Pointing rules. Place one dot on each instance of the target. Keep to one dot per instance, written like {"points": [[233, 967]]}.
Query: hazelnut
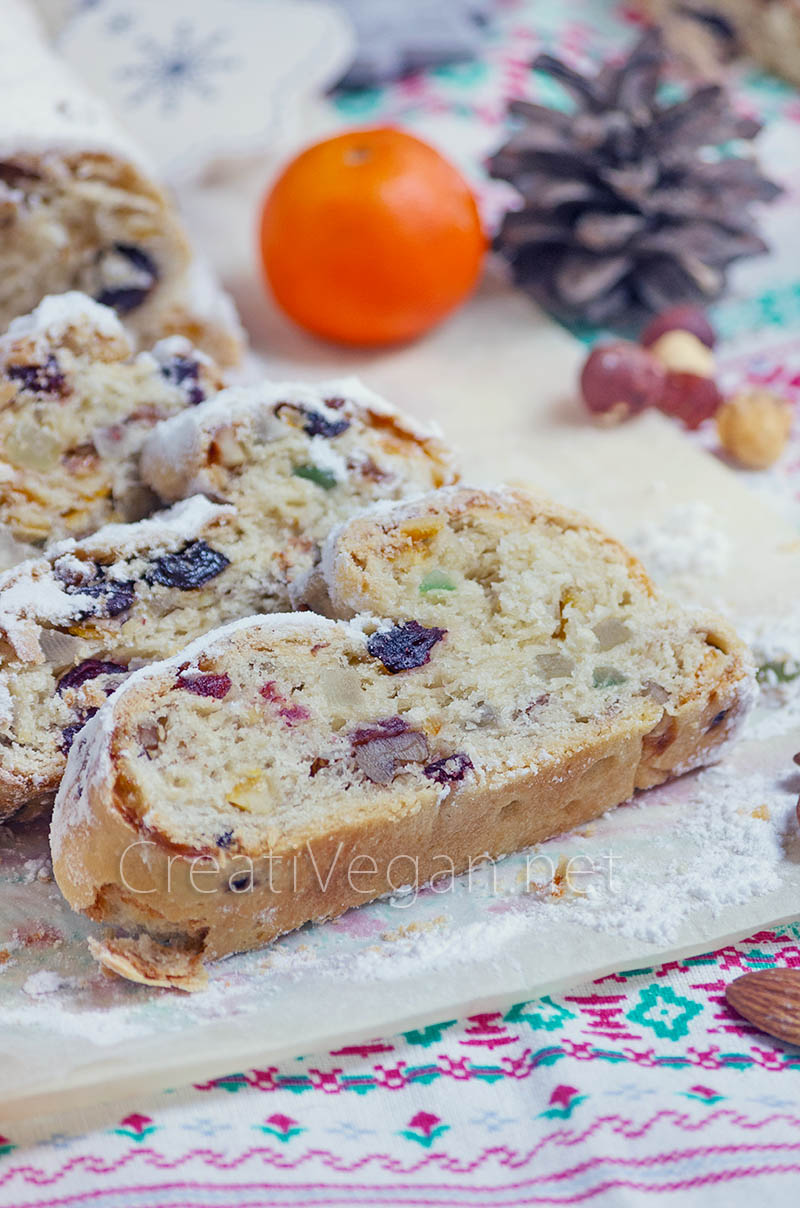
{"points": [[684, 317], [753, 427], [689, 397], [620, 379], [684, 353]]}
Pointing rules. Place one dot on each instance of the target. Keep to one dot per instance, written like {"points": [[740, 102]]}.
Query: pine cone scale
{"points": [[608, 232], [582, 276], [623, 210]]}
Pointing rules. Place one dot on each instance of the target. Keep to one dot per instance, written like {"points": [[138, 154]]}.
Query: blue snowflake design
{"points": [[188, 62]]}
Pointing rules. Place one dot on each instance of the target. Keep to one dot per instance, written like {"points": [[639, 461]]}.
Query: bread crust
{"points": [[184, 897]]}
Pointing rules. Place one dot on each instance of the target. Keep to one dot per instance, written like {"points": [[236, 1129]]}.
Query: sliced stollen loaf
{"points": [[73, 622], [516, 675], [295, 460], [75, 408], [81, 208]]}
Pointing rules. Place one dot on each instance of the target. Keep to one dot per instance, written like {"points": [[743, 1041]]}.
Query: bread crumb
{"points": [[407, 930]]}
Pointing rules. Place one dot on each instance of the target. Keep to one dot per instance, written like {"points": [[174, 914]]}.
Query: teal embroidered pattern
{"points": [[540, 1013], [666, 1012]]}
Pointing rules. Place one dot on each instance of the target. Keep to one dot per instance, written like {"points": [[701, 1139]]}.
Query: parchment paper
{"points": [[499, 378]]}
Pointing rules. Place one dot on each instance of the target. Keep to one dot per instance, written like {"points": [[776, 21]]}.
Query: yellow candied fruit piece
{"points": [[421, 528], [25, 527], [568, 598], [253, 793]]}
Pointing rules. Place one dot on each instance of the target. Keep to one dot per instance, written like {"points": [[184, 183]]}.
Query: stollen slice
{"points": [[507, 673], [76, 405], [77, 620], [295, 460]]}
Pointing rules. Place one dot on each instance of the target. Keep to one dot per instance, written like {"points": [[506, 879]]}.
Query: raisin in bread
{"points": [[511, 674], [295, 460], [133, 593], [75, 408], [81, 208]]}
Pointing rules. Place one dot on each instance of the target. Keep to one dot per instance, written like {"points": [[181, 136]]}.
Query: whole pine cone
{"points": [[629, 206]]}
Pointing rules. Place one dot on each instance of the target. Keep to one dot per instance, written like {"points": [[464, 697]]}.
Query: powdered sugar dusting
{"points": [[775, 643], [173, 456], [685, 542], [692, 862], [30, 594], [56, 314], [181, 522], [46, 981], [728, 848]]}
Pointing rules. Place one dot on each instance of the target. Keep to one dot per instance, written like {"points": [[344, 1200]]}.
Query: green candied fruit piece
{"points": [[323, 478], [778, 672], [607, 677], [436, 580]]}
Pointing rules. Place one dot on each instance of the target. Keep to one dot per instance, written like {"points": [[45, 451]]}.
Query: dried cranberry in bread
{"points": [[75, 408], [133, 593], [511, 674]]}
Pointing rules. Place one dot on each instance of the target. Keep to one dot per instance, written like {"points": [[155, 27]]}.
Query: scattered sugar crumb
{"points": [[37, 870], [409, 930], [46, 981], [775, 643], [732, 853], [684, 543]]}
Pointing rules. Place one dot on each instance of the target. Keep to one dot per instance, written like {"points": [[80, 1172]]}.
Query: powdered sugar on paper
{"points": [[685, 542]]}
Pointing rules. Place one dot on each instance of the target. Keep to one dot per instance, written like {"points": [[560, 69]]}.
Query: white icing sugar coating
{"points": [[31, 593], [182, 521], [45, 107], [6, 701], [175, 346], [325, 457], [239, 400], [180, 440], [684, 542], [56, 314]]}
